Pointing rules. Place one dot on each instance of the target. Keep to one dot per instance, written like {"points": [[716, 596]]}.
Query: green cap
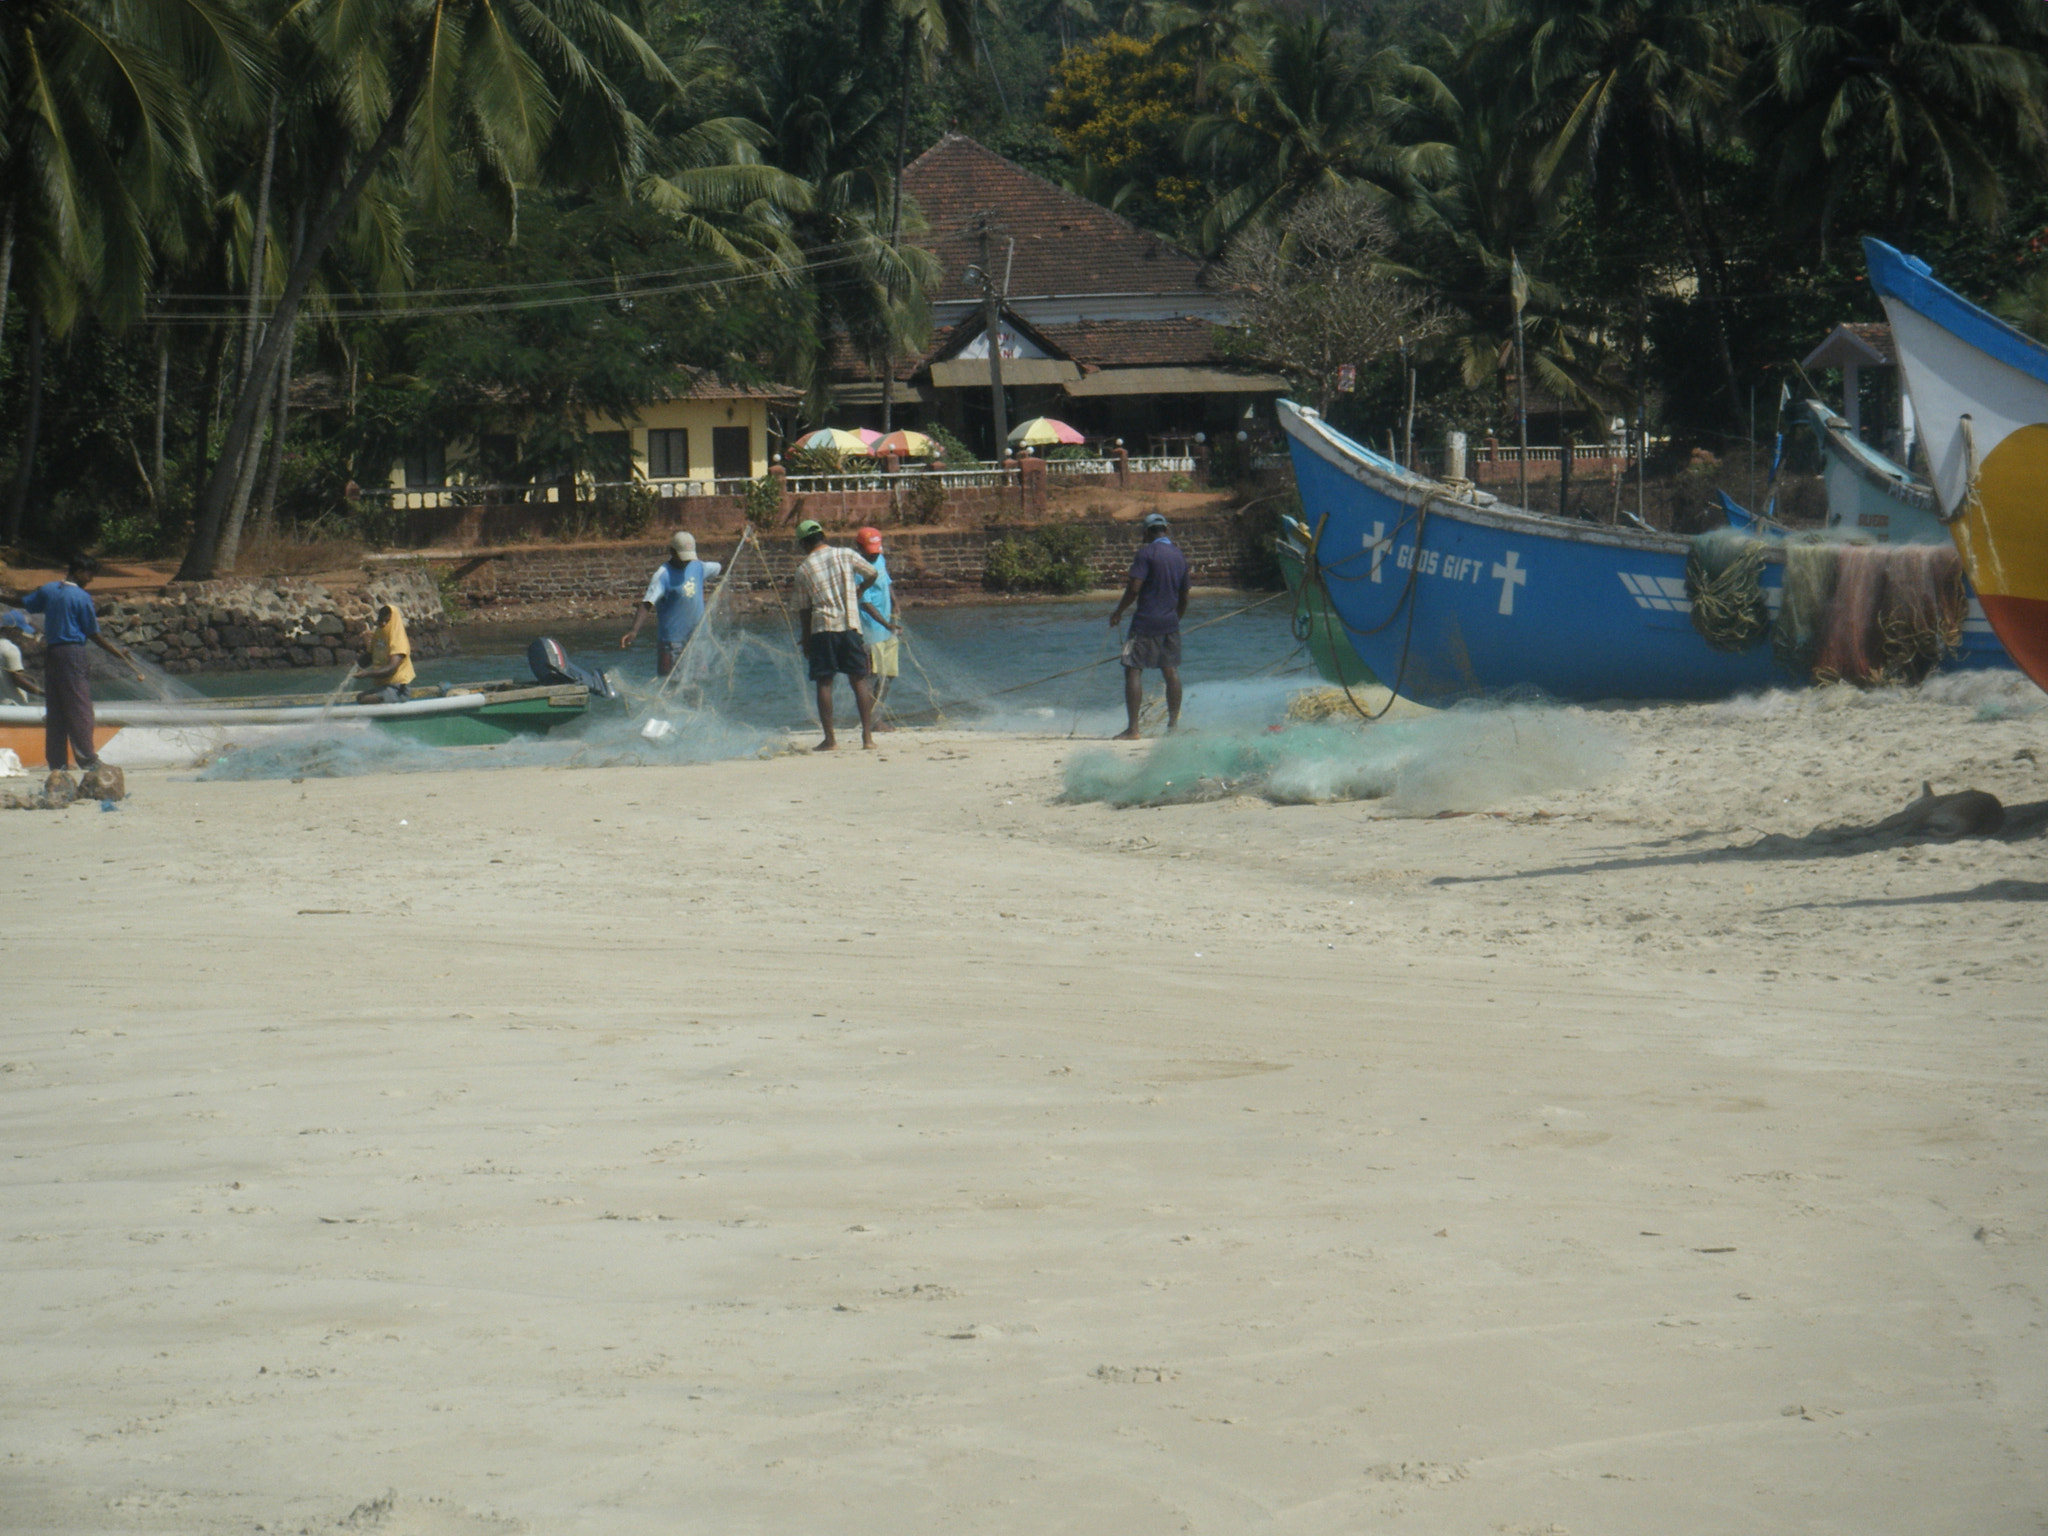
{"points": [[809, 526]]}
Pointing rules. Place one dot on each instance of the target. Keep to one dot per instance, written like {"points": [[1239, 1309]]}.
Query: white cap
{"points": [[685, 545]]}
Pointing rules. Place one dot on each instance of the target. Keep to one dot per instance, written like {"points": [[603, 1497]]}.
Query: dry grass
{"points": [[288, 553]]}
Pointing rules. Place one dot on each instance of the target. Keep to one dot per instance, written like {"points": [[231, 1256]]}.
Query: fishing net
{"points": [[1809, 589], [1724, 583], [1925, 602], [736, 691], [1464, 759], [1896, 612]]}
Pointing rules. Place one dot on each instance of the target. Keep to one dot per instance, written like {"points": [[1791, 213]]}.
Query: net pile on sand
{"points": [[1850, 613], [1464, 759]]}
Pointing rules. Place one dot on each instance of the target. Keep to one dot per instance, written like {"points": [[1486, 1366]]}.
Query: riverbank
{"points": [[530, 1151]]}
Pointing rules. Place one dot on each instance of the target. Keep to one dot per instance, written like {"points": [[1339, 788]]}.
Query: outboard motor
{"points": [[551, 664]]}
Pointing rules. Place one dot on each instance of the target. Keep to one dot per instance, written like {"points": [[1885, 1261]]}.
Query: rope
{"points": [[1967, 502], [1314, 570], [937, 710]]}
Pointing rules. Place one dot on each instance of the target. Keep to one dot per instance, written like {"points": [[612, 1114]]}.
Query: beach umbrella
{"points": [[869, 436], [905, 445], [832, 437], [1043, 432]]}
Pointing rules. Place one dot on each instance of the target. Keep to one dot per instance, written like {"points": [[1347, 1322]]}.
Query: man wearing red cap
{"points": [[878, 626]]}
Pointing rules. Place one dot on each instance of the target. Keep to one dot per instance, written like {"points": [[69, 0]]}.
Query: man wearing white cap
{"points": [[676, 599]]}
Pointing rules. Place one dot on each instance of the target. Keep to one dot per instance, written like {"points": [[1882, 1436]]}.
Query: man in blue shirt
{"points": [[1158, 584], [69, 621], [676, 599]]}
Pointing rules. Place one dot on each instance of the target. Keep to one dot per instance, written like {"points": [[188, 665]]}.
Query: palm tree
{"points": [[99, 105], [504, 90], [1632, 91], [919, 33], [827, 113], [1294, 116], [1904, 98], [1479, 213]]}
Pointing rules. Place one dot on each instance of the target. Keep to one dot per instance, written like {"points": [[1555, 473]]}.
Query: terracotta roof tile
{"points": [[1136, 343], [1065, 244]]}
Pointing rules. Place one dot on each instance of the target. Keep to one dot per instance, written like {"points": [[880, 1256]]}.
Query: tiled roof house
{"points": [[1107, 325]]}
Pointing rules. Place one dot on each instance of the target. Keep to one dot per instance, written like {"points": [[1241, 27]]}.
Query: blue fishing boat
{"points": [[1446, 593]]}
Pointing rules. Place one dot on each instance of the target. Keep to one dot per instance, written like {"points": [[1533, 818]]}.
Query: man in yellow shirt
{"points": [[387, 664]]}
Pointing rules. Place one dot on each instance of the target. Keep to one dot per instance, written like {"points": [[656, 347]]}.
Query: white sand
{"points": [[875, 1144]]}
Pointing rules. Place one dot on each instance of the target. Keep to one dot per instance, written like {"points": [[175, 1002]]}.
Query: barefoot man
{"points": [[829, 584], [69, 622], [1158, 584]]}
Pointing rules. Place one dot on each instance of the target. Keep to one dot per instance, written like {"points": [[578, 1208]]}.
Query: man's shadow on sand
{"points": [[2020, 823]]}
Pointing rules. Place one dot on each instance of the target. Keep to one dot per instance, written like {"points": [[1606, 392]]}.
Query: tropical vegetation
{"points": [[252, 251]]}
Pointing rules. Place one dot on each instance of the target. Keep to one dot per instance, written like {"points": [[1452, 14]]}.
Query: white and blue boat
{"points": [[1446, 593]]}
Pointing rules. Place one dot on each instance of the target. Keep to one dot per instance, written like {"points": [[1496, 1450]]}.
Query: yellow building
{"points": [[682, 446]]}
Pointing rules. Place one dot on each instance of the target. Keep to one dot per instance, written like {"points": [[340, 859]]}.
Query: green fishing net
{"points": [[1724, 583], [1465, 759], [1809, 589]]}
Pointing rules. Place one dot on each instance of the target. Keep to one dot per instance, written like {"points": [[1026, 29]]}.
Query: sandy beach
{"points": [[880, 1143]]}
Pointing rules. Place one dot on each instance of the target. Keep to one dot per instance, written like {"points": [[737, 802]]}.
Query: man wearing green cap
{"points": [[829, 583]]}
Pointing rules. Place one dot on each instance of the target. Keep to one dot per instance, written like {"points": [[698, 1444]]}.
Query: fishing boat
{"points": [[1446, 593], [1980, 395], [153, 734], [1869, 494]]}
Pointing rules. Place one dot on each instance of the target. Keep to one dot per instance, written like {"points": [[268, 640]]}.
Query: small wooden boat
{"points": [[1316, 624], [1445, 593], [147, 733], [1980, 395]]}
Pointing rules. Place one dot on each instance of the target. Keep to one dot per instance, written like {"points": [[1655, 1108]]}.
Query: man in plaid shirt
{"points": [[829, 583]]}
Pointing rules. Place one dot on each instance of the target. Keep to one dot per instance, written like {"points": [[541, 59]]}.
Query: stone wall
{"points": [[610, 578], [247, 626]]}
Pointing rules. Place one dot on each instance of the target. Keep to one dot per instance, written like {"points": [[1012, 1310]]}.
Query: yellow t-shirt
{"points": [[388, 641]]}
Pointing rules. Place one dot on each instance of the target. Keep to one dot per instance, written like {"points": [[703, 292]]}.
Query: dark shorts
{"points": [[1155, 651], [841, 651], [392, 693]]}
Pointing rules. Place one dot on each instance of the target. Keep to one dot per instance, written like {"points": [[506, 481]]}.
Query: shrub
{"points": [[624, 511], [927, 498], [957, 453], [1179, 483], [762, 501], [1055, 558]]}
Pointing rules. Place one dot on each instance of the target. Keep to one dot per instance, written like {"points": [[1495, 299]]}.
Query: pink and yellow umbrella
{"points": [[833, 438], [1043, 432], [905, 445]]}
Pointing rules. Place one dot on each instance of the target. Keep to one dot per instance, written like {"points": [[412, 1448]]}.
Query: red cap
{"points": [[868, 541]]}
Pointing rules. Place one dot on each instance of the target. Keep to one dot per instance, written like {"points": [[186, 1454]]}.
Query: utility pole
{"points": [[992, 329]]}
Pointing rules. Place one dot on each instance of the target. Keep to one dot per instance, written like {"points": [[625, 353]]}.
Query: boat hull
{"points": [[1980, 396], [1869, 494], [1445, 599]]}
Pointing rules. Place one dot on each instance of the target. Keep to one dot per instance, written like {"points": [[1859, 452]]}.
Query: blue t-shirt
{"points": [[68, 614], [877, 598], [1162, 574], [678, 598]]}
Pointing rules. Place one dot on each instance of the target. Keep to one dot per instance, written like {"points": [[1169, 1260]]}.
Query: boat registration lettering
{"points": [[1434, 562]]}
